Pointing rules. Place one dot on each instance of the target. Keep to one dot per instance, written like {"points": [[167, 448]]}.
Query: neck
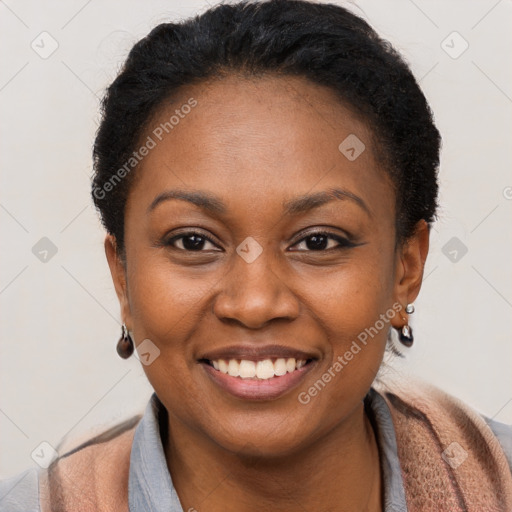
{"points": [[340, 469]]}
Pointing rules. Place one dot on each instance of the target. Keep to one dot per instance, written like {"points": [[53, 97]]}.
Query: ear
{"points": [[409, 267], [118, 272]]}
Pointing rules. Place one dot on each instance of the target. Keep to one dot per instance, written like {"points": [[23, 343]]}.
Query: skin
{"points": [[256, 143]]}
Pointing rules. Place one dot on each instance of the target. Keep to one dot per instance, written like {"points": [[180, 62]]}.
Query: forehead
{"points": [[262, 138]]}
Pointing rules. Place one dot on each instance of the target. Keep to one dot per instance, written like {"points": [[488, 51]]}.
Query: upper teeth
{"points": [[265, 369]]}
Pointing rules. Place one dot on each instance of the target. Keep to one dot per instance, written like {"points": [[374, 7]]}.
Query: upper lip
{"points": [[257, 353]]}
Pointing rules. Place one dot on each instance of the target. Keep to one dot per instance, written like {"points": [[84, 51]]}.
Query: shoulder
{"points": [[446, 447], [20, 493], [503, 432], [96, 471], [414, 397], [97, 465]]}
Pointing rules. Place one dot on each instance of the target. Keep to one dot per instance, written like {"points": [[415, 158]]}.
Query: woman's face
{"points": [[239, 272]]}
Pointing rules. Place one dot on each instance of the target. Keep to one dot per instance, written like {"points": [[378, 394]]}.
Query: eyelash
{"points": [[344, 243]]}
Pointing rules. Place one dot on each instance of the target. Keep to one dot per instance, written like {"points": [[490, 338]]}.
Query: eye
{"points": [[190, 241], [319, 241], [324, 241]]}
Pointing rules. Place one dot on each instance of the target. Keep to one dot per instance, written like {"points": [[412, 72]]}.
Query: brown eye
{"points": [[322, 241], [191, 241]]}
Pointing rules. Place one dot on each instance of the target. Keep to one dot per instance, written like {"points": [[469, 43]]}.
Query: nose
{"points": [[253, 294]]}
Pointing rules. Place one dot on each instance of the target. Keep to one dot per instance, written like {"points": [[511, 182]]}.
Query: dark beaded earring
{"points": [[405, 336], [125, 344], [405, 333]]}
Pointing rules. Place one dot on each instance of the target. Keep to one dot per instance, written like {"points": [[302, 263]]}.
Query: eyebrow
{"points": [[308, 202], [295, 206]]}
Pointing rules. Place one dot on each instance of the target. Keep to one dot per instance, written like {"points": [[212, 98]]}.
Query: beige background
{"points": [[59, 372]]}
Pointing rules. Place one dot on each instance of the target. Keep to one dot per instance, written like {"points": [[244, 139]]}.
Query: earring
{"points": [[405, 333], [405, 336], [125, 343]]}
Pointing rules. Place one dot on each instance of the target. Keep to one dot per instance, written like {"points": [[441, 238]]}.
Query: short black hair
{"points": [[324, 43]]}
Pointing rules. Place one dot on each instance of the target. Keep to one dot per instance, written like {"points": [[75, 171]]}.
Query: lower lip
{"points": [[258, 389]]}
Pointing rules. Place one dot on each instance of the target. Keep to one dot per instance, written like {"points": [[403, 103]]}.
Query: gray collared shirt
{"points": [[150, 486]]}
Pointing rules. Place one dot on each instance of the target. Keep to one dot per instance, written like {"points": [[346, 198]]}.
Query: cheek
{"points": [[350, 298], [167, 307], [164, 300], [355, 316], [354, 306]]}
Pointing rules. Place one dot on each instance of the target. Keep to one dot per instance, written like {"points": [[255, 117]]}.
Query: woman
{"points": [[267, 176]]}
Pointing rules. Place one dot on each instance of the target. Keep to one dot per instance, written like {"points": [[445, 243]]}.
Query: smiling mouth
{"points": [[265, 369]]}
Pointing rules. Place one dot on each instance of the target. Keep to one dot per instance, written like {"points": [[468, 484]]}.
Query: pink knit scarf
{"points": [[450, 459]]}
